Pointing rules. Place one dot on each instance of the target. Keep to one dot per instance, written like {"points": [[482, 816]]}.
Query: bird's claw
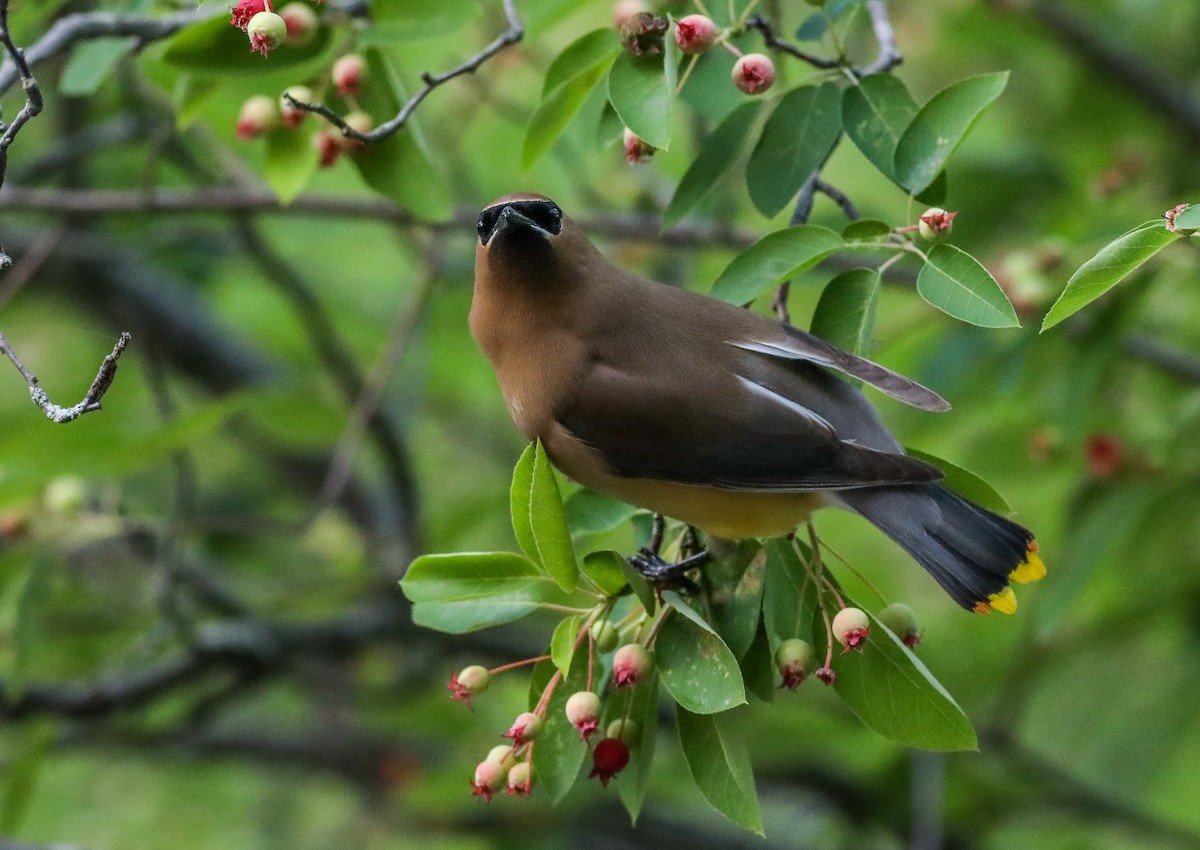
{"points": [[670, 576]]}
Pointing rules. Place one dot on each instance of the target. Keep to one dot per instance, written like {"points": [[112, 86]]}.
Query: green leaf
{"points": [[606, 569], [641, 587], [589, 512], [773, 259], [519, 496], [21, 772], [473, 590], [555, 113], [407, 20], [562, 642], [640, 88], [789, 597], [90, 63], [718, 152], [845, 314], [549, 523], [954, 282], [939, 127], [215, 47], [583, 55], [758, 666], [696, 666], [559, 752], [966, 483], [27, 630], [714, 747], [1188, 219], [291, 161], [797, 138], [641, 705], [736, 620], [1116, 261], [893, 693], [191, 94], [866, 230], [875, 114]]}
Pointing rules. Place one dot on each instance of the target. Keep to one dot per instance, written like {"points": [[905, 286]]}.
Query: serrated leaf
{"points": [[291, 162], [697, 668], [875, 114], [641, 91], [955, 282], [562, 642], [789, 597], [555, 113], [845, 313], [549, 523], [940, 126], [717, 153], [90, 63], [589, 512], [773, 259], [795, 141], [714, 747], [1115, 261], [558, 752], [215, 47], [640, 706], [966, 483], [892, 692], [606, 569], [583, 55]]}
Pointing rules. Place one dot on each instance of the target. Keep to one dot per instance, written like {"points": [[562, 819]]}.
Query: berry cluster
{"points": [[294, 24]]}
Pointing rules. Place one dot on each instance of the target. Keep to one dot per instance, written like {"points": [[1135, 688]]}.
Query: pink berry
{"points": [[631, 664], [489, 778], [608, 759], [935, 223], [267, 31], [695, 34], [754, 73], [348, 74], [636, 150], [472, 680], [520, 777], [258, 115], [524, 729], [583, 710], [301, 23], [826, 675], [328, 151], [851, 627], [241, 13], [293, 117]]}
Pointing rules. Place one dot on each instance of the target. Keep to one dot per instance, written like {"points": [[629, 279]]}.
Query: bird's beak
{"points": [[512, 217]]}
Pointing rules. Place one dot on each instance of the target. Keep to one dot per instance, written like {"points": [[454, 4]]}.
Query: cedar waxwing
{"points": [[712, 414]]}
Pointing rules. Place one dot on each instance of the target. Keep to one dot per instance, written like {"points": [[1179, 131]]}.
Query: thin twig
{"points": [[838, 197], [770, 39], [513, 34], [33, 93], [889, 55], [91, 401]]}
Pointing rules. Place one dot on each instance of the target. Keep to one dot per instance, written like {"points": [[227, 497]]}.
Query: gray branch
{"points": [[91, 401]]}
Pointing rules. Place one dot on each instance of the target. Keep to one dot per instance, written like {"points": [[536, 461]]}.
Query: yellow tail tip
{"points": [[1005, 601], [1031, 569]]}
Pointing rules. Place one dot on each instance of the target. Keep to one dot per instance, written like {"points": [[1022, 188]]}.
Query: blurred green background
{"points": [[200, 649]]}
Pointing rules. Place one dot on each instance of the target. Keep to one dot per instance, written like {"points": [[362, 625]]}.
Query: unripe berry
{"points": [[360, 122], [625, 10], [851, 627], [65, 496], [293, 117], [1104, 454], [267, 31], [935, 223], [631, 664], [605, 635], [903, 623], [525, 728], [608, 759], [241, 13], [519, 779], [583, 710], [489, 778], [258, 115], [636, 150], [301, 22], [794, 658], [624, 730], [503, 755], [328, 148], [695, 34], [470, 682], [754, 73], [348, 74]]}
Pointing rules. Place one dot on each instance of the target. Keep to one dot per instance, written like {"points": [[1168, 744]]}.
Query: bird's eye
{"points": [[487, 223], [545, 214]]}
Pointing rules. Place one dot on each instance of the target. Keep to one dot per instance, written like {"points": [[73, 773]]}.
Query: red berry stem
{"points": [[522, 663]]}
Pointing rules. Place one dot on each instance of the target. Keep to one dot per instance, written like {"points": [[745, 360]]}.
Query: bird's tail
{"points": [[971, 551]]}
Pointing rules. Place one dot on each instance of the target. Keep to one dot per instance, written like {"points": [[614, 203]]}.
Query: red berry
{"points": [[631, 663], [267, 31], [695, 34], [583, 710], [328, 149], [348, 74], [258, 114], [241, 12], [293, 117], [794, 658], [524, 729], [489, 778], [471, 681], [826, 675], [1105, 454], [935, 223], [301, 23], [608, 759], [851, 627], [754, 73], [636, 150]]}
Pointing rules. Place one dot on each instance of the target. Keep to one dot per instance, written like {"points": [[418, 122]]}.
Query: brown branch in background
{"points": [[33, 94], [512, 35], [91, 401], [770, 39]]}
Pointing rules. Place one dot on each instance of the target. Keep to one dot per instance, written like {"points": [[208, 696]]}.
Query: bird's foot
{"points": [[664, 574]]}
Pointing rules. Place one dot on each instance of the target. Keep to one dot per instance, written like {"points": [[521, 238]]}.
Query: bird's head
{"points": [[518, 221], [527, 239]]}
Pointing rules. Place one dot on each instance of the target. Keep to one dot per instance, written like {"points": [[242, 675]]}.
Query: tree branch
{"points": [[889, 55], [91, 401], [33, 94], [512, 35]]}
